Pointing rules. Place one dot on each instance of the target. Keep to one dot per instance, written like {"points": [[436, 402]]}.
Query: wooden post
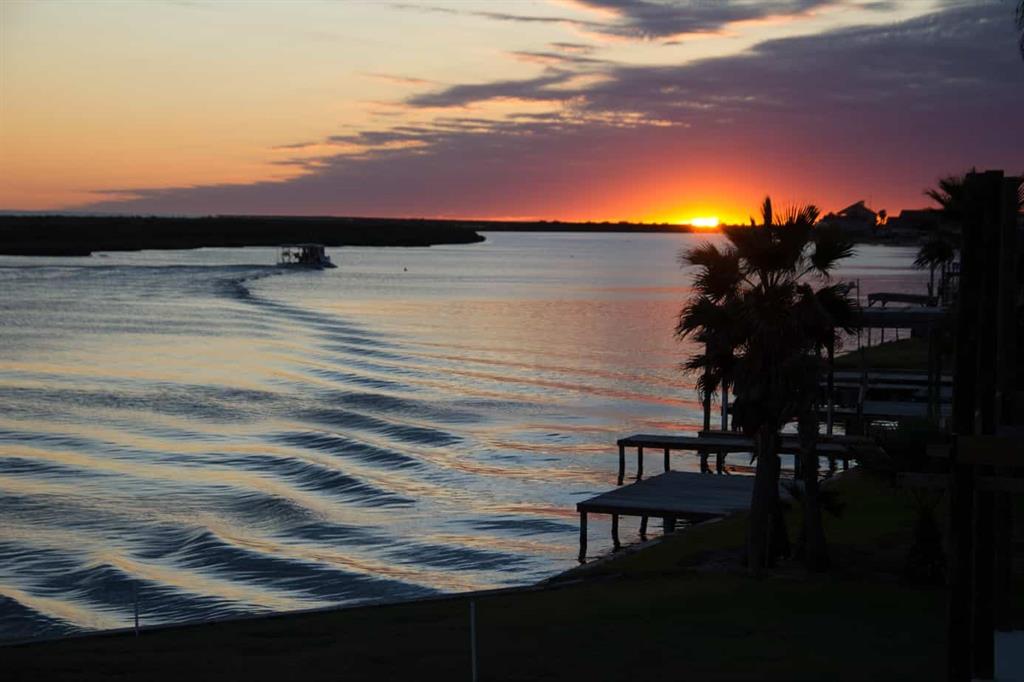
{"points": [[1007, 342], [666, 459], [1007, 288], [472, 639], [960, 639], [639, 463], [961, 506], [622, 463], [934, 374], [725, 406], [1003, 563], [984, 592], [669, 524], [643, 527], [831, 386], [615, 532], [583, 538], [997, 206], [704, 469], [707, 407]]}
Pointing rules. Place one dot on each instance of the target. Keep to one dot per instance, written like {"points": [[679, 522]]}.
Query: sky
{"points": [[641, 110]]}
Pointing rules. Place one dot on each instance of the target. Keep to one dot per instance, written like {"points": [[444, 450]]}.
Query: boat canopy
{"points": [[304, 254]]}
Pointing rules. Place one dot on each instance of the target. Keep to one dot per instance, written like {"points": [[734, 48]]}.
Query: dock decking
{"points": [[672, 495]]}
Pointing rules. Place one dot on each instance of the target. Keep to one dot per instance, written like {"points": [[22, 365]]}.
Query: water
{"points": [[233, 439]]}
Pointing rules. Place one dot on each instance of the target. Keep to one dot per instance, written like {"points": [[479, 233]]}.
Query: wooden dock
{"points": [[672, 496], [723, 443]]}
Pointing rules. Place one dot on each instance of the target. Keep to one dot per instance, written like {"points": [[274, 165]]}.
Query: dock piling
{"points": [[583, 538], [472, 638]]}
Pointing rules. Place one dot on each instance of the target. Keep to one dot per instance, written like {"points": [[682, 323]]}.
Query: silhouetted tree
{"points": [[936, 251], [939, 249], [763, 325]]}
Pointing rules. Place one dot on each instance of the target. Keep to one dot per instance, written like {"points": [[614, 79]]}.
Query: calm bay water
{"points": [[228, 438]]}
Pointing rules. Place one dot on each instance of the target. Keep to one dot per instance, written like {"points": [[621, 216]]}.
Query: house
{"points": [[923, 219], [856, 220]]}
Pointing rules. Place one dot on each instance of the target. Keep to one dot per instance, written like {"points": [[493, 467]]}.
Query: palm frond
{"points": [[935, 251], [798, 214], [791, 240], [699, 318], [767, 216], [719, 272], [830, 247], [708, 376], [950, 196], [840, 307]]}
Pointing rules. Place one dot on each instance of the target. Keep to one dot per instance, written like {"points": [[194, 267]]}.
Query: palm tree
{"points": [[935, 252], [939, 249], [824, 315], [763, 325]]}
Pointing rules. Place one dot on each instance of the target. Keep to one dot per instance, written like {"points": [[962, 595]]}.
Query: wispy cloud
{"points": [[648, 19], [399, 80], [574, 48], [557, 59], [463, 95], [641, 19]]}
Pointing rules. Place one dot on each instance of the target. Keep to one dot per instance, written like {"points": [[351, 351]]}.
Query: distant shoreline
{"points": [[83, 235], [64, 235]]}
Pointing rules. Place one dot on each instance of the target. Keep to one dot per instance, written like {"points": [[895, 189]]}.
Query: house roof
{"points": [[857, 210]]}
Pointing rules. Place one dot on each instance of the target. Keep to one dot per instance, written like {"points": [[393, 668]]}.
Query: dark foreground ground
{"points": [[678, 609]]}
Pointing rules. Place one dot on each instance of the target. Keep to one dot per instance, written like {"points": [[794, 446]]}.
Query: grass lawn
{"points": [[660, 613], [906, 354]]}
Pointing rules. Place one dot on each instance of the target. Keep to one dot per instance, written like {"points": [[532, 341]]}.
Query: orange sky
{"points": [[579, 110]]}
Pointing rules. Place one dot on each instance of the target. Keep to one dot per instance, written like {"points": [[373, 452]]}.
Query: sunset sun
{"points": [[705, 222]]}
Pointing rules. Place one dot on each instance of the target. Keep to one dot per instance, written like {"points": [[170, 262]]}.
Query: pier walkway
{"points": [[724, 442]]}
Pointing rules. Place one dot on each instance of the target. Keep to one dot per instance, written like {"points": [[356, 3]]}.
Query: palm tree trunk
{"points": [[814, 549], [764, 505]]}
